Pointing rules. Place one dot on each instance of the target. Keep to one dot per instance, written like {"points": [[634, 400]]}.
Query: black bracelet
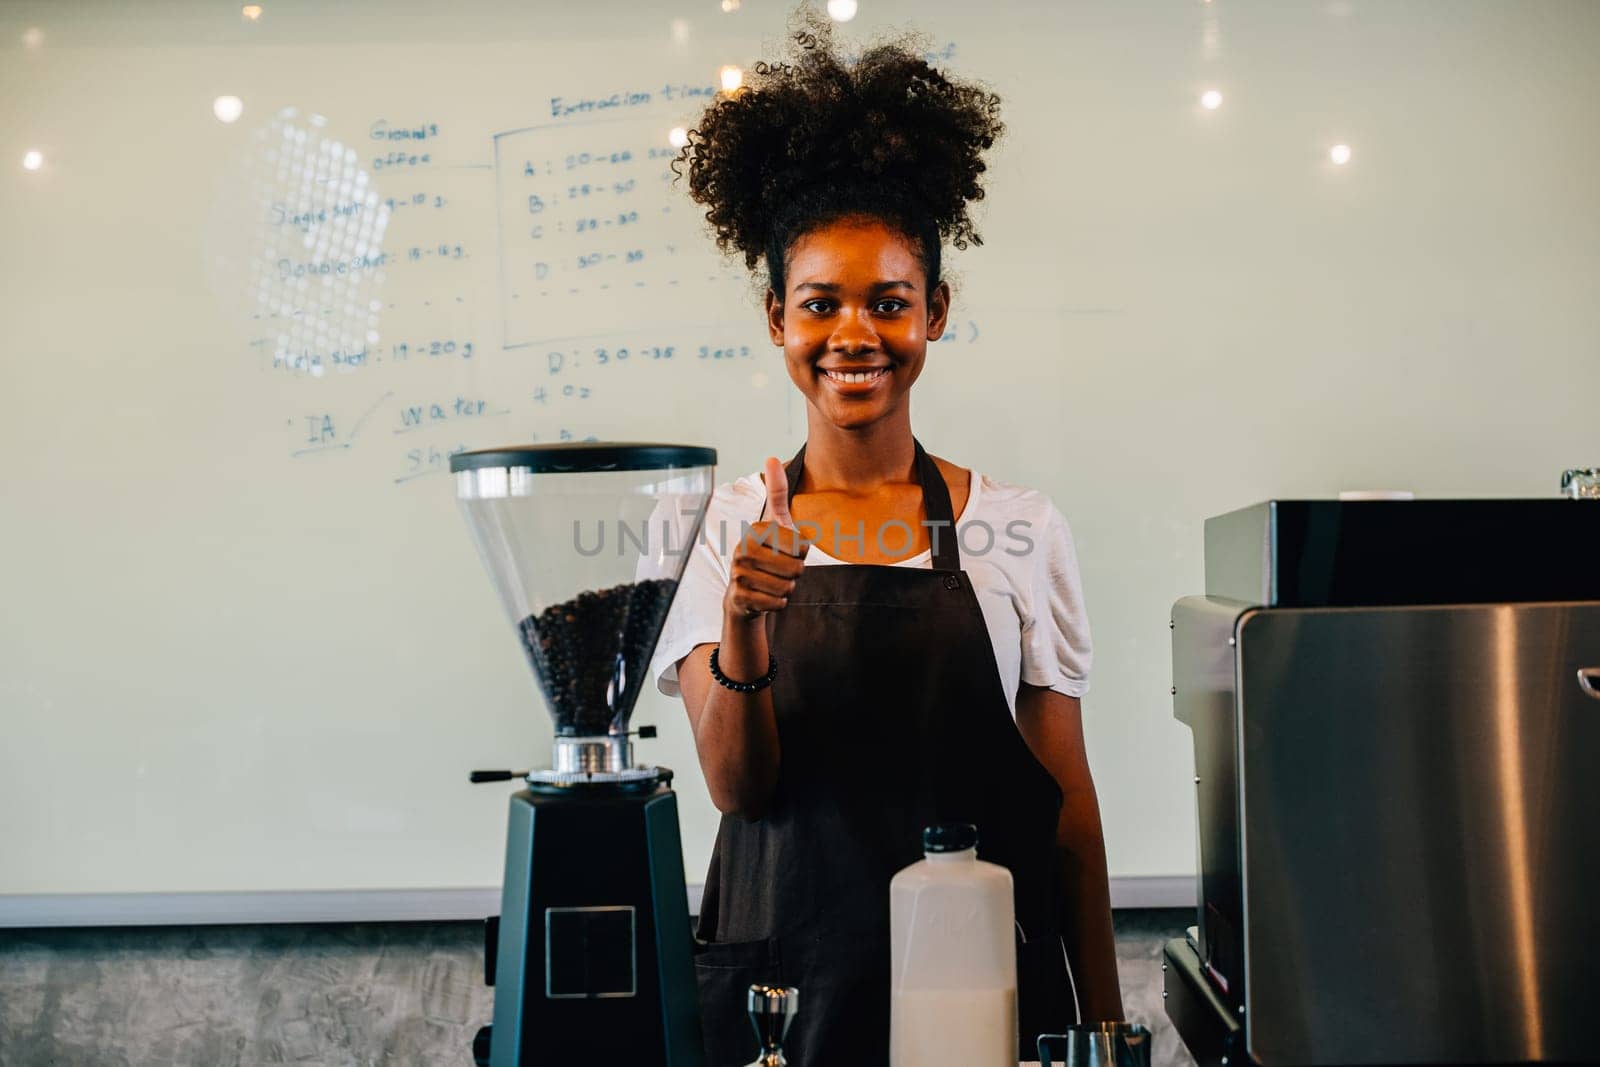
{"points": [[744, 687]]}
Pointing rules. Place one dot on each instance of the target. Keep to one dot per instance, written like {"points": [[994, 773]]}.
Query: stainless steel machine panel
{"points": [[1420, 802], [1205, 700]]}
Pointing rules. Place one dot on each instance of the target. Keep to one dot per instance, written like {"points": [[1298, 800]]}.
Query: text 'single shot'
{"points": [[826, 533]]}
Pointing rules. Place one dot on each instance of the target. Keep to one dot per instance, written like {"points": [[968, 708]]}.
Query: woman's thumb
{"points": [[778, 493]]}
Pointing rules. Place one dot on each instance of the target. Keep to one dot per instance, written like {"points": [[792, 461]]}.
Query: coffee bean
{"points": [[591, 654]]}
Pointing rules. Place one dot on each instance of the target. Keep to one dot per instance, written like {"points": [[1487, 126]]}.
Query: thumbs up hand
{"points": [[769, 558], [778, 493]]}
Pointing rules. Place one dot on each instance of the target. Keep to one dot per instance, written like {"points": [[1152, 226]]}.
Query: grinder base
{"points": [[594, 962]]}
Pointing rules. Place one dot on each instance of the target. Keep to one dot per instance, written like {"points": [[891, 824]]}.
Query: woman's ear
{"points": [[775, 317], [938, 310]]}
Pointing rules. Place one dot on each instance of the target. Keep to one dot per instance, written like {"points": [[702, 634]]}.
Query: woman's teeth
{"points": [[857, 376]]}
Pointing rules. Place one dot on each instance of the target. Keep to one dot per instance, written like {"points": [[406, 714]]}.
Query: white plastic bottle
{"points": [[953, 998]]}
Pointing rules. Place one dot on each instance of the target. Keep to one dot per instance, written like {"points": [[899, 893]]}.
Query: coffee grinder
{"points": [[591, 957]]}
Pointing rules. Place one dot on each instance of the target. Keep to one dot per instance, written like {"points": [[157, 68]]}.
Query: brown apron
{"points": [[891, 717]]}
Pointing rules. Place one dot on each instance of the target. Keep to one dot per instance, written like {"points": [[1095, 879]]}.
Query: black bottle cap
{"points": [[950, 837]]}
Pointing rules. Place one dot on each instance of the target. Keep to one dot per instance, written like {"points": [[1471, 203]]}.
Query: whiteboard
{"points": [[247, 646]]}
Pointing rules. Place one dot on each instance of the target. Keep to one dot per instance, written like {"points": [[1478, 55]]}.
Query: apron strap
{"points": [[935, 500]]}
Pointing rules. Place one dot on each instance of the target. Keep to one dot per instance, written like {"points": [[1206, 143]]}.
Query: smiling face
{"points": [[855, 320]]}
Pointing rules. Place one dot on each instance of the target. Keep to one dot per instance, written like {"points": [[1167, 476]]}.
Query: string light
{"points": [[842, 10], [33, 160], [1340, 154], [732, 78], [251, 12], [227, 108], [1211, 99], [678, 137]]}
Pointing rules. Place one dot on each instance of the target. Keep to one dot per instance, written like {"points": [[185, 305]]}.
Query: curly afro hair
{"points": [[818, 139]]}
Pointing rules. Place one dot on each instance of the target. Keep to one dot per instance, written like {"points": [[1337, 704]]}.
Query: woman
{"points": [[892, 640]]}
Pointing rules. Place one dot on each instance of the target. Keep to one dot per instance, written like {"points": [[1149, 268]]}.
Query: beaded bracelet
{"points": [[744, 687]]}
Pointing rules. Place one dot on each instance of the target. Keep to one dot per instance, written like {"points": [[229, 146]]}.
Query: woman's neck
{"points": [[859, 460]]}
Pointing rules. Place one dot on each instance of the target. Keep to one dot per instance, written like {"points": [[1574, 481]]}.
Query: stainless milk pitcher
{"points": [[1097, 1045]]}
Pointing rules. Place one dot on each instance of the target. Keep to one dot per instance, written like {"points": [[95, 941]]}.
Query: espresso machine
{"points": [[591, 955], [1396, 717]]}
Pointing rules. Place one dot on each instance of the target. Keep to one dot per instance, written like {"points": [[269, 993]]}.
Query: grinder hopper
{"points": [[585, 543]]}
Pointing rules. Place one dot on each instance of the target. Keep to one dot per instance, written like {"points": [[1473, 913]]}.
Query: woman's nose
{"points": [[854, 334]]}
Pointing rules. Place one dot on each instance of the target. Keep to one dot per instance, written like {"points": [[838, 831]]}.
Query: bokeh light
{"points": [[227, 108], [306, 245]]}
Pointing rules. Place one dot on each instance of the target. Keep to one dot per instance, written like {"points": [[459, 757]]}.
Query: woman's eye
{"points": [[820, 306]]}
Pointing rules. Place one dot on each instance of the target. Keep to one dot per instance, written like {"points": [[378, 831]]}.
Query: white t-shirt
{"points": [[1014, 545]]}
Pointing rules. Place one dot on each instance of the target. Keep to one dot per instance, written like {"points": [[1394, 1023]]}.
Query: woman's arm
{"points": [[1052, 725], [735, 734]]}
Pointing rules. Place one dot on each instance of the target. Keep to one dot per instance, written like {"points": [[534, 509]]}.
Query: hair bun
{"points": [[816, 138]]}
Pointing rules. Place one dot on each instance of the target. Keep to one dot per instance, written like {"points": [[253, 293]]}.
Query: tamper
{"points": [[772, 1009]]}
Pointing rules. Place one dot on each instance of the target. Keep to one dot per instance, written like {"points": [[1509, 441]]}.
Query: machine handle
{"points": [[1589, 681], [479, 777]]}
